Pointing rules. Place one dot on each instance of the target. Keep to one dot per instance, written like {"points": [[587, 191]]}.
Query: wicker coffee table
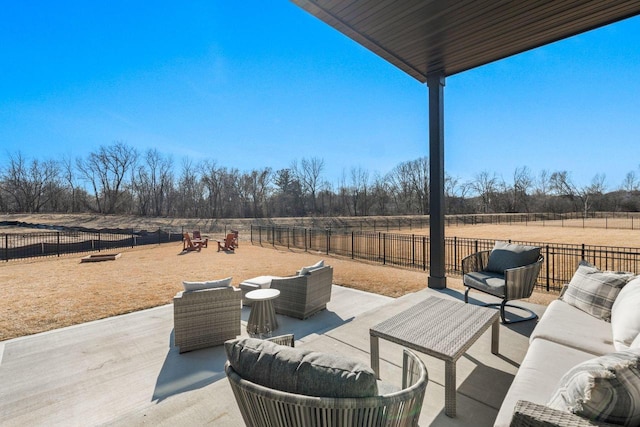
{"points": [[441, 328]]}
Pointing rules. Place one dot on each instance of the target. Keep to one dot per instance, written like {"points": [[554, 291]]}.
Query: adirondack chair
{"points": [[227, 244], [197, 237], [190, 245]]}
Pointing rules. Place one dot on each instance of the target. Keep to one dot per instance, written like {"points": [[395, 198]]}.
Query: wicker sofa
{"points": [[337, 396], [570, 354], [301, 295], [206, 317]]}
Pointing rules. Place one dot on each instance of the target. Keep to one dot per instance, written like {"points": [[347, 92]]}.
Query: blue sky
{"points": [[253, 84]]}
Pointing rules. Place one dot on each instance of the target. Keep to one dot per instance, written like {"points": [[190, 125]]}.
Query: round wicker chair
{"points": [[265, 407]]}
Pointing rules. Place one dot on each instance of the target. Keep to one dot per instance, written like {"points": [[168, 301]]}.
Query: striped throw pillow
{"points": [[594, 291], [605, 389]]}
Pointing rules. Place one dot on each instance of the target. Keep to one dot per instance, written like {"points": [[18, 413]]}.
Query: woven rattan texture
{"points": [[438, 327], [206, 318]]}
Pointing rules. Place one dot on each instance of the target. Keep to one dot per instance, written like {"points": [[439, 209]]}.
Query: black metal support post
{"points": [[437, 278]]}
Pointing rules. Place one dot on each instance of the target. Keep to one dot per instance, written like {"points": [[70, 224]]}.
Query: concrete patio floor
{"points": [[124, 370]]}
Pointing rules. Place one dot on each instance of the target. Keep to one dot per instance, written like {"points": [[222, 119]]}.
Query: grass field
{"points": [[41, 294]]}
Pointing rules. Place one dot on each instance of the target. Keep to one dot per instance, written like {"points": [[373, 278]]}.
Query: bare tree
{"points": [[630, 182], [105, 170], [563, 185], [358, 190], [309, 174], [485, 185], [190, 191], [31, 185], [152, 182]]}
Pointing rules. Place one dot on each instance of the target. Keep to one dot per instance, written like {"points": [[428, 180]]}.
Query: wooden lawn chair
{"points": [[235, 238], [227, 243], [190, 245], [197, 237]]}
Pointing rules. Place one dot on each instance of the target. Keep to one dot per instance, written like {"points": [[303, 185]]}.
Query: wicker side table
{"points": [[441, 328], [262, 319]]}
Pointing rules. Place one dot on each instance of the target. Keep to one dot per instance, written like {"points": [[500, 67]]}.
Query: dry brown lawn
{"points": [[42, 294]]}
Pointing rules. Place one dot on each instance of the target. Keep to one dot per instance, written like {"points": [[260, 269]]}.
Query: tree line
{"points": [[117, 179]]}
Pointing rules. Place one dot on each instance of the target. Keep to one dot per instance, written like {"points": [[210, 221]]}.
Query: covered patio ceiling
{"points": [[433, 39], [426, 36]]}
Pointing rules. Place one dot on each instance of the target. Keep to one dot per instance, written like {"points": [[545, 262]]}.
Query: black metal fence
{"points": [[412, 251], [615, 220], [31, 245]]}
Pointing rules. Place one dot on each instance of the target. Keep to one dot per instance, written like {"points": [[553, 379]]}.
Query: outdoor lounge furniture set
{"points": [[208, 313], [582, 367], [301, 295]]}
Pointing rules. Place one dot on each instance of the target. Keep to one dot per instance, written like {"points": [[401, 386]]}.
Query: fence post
{"points": [[6, 247], [273, 236], [384, 248], [305, 240], [413, 250], [582, 252], [133, 241], [159, 236], [99, 242], [288, 240], [328, 233], [424, 253], [455, 253], [547, 262], [352, 240]]}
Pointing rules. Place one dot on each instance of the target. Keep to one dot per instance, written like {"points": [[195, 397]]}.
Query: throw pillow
{"points": [[594, 291], [198, 286], [605, 389], [300, 371], [506, 255], [625, 315], [305, 270]]}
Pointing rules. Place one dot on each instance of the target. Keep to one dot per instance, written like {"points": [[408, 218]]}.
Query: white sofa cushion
{"points": [[543, 365], [310, 268], [594, 291], [605, 389], [262, 282], [567, 325], [211, 284], [625, 315]]}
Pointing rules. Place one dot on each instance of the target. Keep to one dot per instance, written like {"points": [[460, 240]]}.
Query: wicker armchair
{"points": [[206, 318], [528, 414], [515, 283], [265, 407], [303, 296]]}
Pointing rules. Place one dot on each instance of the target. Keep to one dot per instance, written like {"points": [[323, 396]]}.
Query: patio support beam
{"points": [[435, 83]]}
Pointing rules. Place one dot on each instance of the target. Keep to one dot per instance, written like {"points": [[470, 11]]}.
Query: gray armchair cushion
{"points": [[300, 371], [508, 255], [486, 281]]}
